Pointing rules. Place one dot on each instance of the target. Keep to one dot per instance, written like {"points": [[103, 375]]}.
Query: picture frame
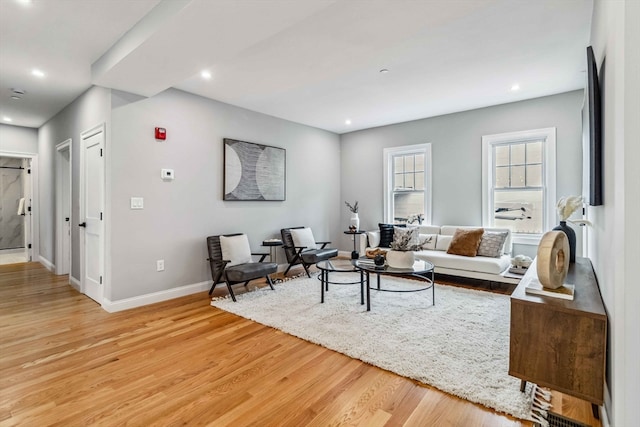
{"points": [[253, 172]]}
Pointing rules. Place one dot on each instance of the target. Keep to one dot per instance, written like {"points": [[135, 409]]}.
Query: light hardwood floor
{"points": [[65, 361]]}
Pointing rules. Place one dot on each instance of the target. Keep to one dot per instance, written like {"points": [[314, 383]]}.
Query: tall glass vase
{"points": [[571, 236]]}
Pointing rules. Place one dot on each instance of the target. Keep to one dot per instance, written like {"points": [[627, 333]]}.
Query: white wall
{"points": [[18, 139], [178, 215], [613, 239], [88, 110], [457, 163]]}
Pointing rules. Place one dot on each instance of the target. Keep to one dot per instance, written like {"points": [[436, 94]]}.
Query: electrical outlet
{"points": [[160, 265]]}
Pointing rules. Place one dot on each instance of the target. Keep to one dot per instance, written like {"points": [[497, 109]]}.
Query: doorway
{"points": [[15, 209], [63, 207]]}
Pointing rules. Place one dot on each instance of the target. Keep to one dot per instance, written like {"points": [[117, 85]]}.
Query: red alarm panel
{"points": [[161, 133]]}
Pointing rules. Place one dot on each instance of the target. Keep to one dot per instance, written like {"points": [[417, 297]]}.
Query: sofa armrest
{"points": [[370, 239]]}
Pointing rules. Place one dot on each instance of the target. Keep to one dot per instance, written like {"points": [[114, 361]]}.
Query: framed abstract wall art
{"points": [[253, 172]]}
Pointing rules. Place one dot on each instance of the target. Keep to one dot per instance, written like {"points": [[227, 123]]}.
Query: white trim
{"points": [[152, 298], [387, 155], [66, 145], [75, 283], [47, 264], [35, 205], [549, 165]]}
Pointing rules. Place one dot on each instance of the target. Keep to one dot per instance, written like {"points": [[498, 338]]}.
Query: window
{"points": [[407, 189], [518, 176]]}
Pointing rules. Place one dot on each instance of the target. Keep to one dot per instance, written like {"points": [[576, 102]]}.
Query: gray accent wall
{"points": [[88, 110], [178, 215], [456, 154]]}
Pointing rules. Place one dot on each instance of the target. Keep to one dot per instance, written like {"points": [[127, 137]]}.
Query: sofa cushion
{"points": [[492, 243], [465, 242], [405, 239], [235, 249], [427, 241], [386, 234], [449, 230], [442, 242], [303, 237], [487, 265]]}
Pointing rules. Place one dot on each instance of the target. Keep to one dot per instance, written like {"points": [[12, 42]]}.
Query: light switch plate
{"points": [[137, 203]]}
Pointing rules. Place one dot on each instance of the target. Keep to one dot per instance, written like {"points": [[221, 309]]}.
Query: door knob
{"points": [[82, 224]]}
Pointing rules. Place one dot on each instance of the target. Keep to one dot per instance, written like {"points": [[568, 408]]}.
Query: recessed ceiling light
{"points": [[15, 97], [205, 74], [7, 119], [347, 122], [515, 87], [384, 71], [37, 73]]}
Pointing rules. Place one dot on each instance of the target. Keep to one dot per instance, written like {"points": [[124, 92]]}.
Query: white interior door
{"points": [[92, 208]]}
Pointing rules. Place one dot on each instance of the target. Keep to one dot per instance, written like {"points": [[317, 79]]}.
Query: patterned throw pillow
{"points": [[492, 243], [405, 239]]}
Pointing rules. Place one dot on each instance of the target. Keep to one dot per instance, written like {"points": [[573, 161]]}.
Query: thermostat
{"points": [[167, 174]]}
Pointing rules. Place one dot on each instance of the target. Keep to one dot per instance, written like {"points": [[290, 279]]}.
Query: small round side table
{"points": [[354, 254]]}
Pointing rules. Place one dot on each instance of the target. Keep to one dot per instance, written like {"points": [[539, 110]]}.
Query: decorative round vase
{"points": [[400, 259], [354, 222], [571, 235], [379, 260]]}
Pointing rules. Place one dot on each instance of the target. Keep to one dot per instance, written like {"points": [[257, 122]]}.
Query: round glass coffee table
{"points": [[338, 266], [422, 270]]}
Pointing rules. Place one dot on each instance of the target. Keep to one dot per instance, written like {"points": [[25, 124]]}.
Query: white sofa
{"points": [[478, 267]]}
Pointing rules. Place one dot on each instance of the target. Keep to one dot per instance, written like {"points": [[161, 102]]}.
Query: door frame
{"points": [[34, 221], [82, 214], [66, 145]]}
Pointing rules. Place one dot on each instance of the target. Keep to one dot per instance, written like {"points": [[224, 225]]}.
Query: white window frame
{"points": [[548, 135], [388, 154]]}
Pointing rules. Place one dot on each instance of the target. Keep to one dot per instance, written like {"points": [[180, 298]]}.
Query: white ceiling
{"points": [[314, 62]]}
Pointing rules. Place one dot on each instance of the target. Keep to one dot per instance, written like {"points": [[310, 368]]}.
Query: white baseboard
{"points": [[47, 264], [139, 301], [75, 283]]}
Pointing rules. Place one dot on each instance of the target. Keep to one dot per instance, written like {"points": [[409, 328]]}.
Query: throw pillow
{"points": [[374, 238], [442, 244], [492, 243], [405, 239], [303, 237], [386, 234], [427, 241], [235, 249], [465, 242]]}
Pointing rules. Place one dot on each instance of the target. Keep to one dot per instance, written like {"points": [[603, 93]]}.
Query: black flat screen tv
{"points": [[595, 131]]}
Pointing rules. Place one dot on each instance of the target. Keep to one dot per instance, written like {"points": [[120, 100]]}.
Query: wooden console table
{"points": [[558, 343]]}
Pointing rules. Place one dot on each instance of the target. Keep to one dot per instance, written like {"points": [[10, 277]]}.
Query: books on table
{"points": [[566, 291]]}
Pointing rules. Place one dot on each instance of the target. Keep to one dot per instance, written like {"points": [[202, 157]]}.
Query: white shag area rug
{"points": [[460, 345]]}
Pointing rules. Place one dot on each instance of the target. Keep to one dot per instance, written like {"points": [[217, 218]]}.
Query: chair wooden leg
{"points": [[306, 269], [288, 268], [270, 282], [212, 288], [233, 297]]}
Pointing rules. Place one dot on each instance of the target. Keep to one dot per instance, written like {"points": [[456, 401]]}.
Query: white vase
{"points": [[400, 259], [354, 221]]}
